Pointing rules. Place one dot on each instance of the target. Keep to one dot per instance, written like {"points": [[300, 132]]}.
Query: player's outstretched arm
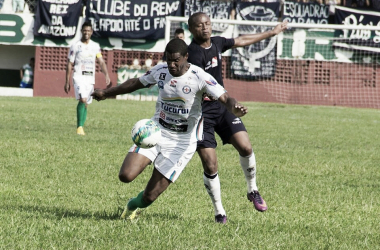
{"points": [[128, 86], [245, 40], [232, 105]]}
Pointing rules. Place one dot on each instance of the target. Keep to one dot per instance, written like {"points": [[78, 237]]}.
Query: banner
{"points": [[134, 19], [365, 40], [294, 12], [259, 59], [214, 9], [57, 18]]}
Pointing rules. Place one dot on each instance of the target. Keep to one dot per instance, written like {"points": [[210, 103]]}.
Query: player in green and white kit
{"points": [[82, 57], [179, 115], [26, 74]]}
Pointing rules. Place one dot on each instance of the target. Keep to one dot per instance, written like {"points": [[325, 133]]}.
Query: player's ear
{"points": [[187, 56]]}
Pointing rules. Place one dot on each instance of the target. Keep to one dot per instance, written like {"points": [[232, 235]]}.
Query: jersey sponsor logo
{"points": [[173, 127], [87, 73], [186, 89], [162, 76], [211, 82], [172, 83], [214, 62], [208, 65], [160, 84], [179, 163], [174, 109], [162, 115], [88, 61], [236, 121], [174, 99], [147, 73], [173, 120]]}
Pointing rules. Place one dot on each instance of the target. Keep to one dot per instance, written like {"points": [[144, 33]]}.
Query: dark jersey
{"points": [[216, 117], [210, 59]]}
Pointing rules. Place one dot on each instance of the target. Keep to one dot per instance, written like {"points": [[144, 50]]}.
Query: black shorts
{"points": [[218, 119]]}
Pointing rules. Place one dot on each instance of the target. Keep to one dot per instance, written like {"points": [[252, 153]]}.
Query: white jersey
{"points": [[84, 58], [179, 103]]}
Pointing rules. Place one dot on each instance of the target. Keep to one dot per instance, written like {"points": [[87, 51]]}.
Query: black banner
{"points": [[357, 39], [134, 19], [259, 59], [294, 12], [214, 9], [57, 18]]}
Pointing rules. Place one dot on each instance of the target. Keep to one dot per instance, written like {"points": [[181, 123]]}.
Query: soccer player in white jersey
{"points": [[179, 115], [82, 57]]}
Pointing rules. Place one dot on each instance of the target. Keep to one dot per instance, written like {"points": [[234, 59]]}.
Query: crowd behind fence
{"points": [[29, 6]]}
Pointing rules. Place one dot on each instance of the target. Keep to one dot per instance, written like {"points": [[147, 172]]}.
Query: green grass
{"points": [[318, 170]]}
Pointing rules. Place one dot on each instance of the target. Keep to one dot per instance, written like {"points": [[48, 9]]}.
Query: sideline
{"points": [[8, 91]]}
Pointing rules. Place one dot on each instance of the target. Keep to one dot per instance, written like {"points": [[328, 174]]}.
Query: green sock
{"points": [[84, 117], [138, 202], [80, 111]]}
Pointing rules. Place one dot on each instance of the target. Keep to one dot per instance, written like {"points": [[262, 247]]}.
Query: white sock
{"points": [[212, 185], [248, 164]]}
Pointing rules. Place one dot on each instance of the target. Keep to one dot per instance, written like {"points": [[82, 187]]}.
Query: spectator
{"points": [[360, 4], [26, 74], [179, 33]]}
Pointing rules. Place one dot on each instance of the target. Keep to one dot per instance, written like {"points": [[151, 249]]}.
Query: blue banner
{"points": [[214, 9], [365, 40], [259, 59], [133, 19], [57, 18]]}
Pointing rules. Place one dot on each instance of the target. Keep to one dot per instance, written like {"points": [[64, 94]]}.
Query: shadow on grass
{"points": [[60, 213]]}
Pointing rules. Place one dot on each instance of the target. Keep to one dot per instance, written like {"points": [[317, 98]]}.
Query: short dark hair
{"points": [[176, 45], [193, 17], [86, 24], [179, 31], [32, 59]]}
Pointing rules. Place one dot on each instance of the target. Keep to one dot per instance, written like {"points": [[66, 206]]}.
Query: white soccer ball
{"points": [[146, 133]]}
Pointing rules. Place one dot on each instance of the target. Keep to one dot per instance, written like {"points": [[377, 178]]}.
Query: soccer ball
{"points": [[146, 133]]}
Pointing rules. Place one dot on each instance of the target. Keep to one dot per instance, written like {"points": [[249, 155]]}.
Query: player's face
{"points": [[86, 33], [177, 64], [201, 28], [180, 36]]}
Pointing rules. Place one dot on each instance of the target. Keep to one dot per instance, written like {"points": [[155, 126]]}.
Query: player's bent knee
{"points": [[210, 167], [246, 150], [126, 177]]}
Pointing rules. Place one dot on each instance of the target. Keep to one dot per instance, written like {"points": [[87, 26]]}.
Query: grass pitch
{"points": [[318, 170]]}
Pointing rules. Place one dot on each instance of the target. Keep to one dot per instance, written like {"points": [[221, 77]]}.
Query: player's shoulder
{"points": [[220, 39], [75, 44], [194, 47], [160, 69], [198, 72], [195, 53], [94, 44], [194, 68]]}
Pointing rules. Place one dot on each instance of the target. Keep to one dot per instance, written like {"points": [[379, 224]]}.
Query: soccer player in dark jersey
{"points": [[206, 52]]}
